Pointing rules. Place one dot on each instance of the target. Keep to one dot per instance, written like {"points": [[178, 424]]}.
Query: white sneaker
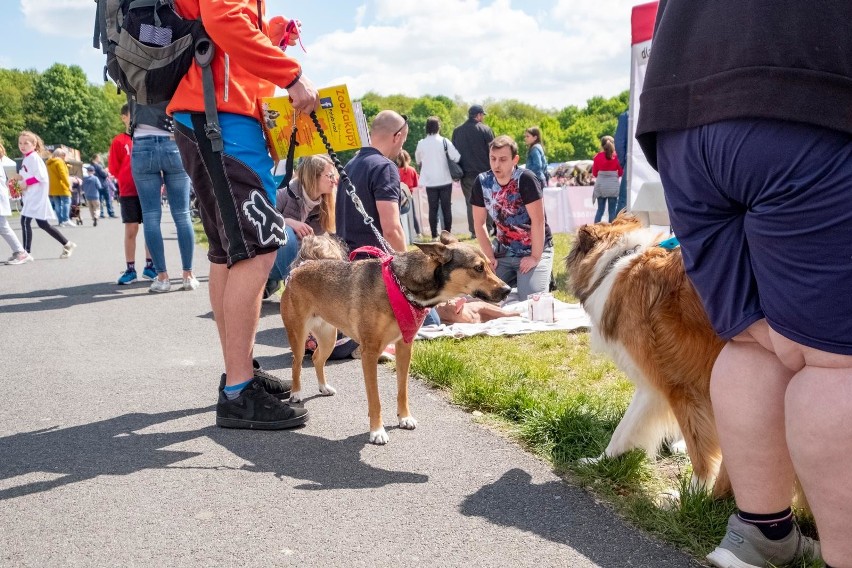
{"points": [[68, 249], [190, 283], [160, 286], [20, 258]]}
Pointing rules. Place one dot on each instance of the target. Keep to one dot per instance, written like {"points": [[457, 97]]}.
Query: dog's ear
{"points": [[586, 239], [626, 218], [448, 238], [438, 252]]}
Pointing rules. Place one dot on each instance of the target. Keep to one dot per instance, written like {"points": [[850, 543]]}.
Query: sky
{"points": [[548, 53]]}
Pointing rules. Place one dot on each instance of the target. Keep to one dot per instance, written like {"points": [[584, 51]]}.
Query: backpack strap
{"points": [[204, 50]]}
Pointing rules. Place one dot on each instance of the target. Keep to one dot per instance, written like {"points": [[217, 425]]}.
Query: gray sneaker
{"points": [[744, 546]]}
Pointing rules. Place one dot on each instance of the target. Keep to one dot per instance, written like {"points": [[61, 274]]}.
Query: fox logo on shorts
{"points": [[269, 222]]}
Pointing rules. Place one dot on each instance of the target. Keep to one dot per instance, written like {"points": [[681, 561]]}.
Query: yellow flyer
{"points": [[337, 117]]}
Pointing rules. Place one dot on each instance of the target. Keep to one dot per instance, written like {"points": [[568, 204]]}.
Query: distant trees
{"points": [[62, 107], [569, 134]]}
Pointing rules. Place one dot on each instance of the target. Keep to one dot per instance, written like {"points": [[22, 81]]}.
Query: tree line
{"points": [[62, 107]]}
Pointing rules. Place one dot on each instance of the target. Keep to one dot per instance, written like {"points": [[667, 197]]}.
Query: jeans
{"points": [[607, 203], [536, 280], [106, 201], [622, 195], [439, 196], [62, 207], [155, 161], [285, 256]]}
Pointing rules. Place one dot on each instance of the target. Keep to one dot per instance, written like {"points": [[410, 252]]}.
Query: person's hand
{"points": [[458, 304], [304, 96], [492, 260], [302, 229], [527, 264], [278, 30]]}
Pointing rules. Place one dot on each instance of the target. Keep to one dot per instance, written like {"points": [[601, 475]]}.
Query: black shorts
{"points": [[239, 218], [131, 209]]}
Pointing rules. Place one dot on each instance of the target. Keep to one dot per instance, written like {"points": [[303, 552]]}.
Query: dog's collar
{"points": [[408, 312], [608, 268], [669, 244]]}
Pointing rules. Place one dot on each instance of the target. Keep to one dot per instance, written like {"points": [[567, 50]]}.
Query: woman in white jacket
{"points": [[33, 174], [19, 255], [431, 156]]}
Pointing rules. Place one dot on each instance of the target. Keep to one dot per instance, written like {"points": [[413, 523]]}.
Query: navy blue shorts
{"points": [[763, 212]]}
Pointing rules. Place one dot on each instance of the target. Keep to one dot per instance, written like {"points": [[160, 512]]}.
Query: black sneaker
{"points": [[278, 388], [270, 383], [256, 409]]}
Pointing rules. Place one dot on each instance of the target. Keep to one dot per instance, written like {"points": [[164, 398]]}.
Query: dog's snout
{"points": [[504, 291]]}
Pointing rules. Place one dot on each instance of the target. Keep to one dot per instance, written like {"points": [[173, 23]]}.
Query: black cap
{"points": [[474, 110], [90, 167]]}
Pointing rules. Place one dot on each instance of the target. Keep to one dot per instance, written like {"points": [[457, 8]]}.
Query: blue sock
{"points": [[234, 391], [131, 266], [149, 263]]}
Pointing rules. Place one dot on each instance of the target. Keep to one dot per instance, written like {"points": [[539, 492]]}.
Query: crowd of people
{"points": [[142, 155], [756, 195]]}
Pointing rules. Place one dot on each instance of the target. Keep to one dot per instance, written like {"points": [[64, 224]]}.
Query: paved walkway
{"points": [[109, 455]]}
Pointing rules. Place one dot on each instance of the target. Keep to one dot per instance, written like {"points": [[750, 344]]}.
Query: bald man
{"points": [[376, 180]]}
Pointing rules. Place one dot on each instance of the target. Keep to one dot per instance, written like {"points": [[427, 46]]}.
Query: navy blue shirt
{"points": [[376, 179]]}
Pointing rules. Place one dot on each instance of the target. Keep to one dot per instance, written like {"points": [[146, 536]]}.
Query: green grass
{"points": [[549, 393]]}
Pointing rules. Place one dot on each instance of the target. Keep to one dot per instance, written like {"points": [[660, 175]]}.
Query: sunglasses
{"points": [[404, 123]]}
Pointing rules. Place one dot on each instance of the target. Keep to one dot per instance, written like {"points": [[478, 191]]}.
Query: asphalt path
{"points": [[109, 455]]}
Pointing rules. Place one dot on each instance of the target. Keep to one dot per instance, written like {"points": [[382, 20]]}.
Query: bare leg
{"points": [[131, 230], [235, 296], [747, 388], [818, 410]]}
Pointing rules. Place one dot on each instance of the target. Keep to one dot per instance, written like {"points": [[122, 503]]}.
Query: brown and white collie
{"points": [[648, 318]]}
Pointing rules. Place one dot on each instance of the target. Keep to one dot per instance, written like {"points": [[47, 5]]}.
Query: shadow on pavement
{"points": [[113, 447], [545, 510], [61, 298]]}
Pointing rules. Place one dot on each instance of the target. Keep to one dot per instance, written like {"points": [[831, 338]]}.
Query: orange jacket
{"points": [[253, 67]]}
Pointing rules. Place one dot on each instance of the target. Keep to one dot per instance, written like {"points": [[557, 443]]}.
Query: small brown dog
{"points": [[323, 296], [648, 318]]}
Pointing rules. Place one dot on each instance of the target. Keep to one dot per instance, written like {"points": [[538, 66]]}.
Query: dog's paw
{"points": [[296, 396], [591, 461], [668, 500], [327, 390], [379, 437], [408, 423]]}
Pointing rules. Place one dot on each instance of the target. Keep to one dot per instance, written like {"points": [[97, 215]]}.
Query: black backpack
{"points": [[149, 48]]}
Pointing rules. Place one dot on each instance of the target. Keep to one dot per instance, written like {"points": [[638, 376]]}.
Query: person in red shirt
{"points": [[408, 176], [236, 191], [131, 210], [607, 173]]}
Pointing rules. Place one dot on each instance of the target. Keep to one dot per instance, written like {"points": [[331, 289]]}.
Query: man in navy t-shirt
{"points": [[376, 180]]}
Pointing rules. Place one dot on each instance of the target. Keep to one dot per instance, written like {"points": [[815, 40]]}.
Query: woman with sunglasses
{"points": [[308, 208]]}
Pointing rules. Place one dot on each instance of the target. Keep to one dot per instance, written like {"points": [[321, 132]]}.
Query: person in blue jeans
{"points": [[105, 195], [156, 163]]}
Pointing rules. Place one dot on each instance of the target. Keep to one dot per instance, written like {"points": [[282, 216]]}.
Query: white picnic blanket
{"points": [[568, 317]]}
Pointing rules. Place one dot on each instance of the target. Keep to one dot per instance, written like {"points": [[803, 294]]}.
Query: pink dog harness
{"points": [[409, 316]]}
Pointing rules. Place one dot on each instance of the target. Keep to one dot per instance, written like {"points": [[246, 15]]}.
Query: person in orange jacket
{"points": [[236, 191]]}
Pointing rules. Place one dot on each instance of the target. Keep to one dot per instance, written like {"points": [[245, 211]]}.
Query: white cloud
{"points": [[480, 50], [551, 53], [65, 18]]}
